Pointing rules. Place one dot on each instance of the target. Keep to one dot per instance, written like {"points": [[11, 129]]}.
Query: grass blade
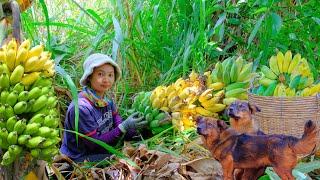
{"points": [[255, 30], [106, 147], [46, 15], [74, 93]]}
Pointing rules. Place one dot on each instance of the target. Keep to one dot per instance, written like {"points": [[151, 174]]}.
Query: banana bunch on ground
{"points": [[286, 76], [158, 120], [28, 114], [180, 99], [233, 77]]}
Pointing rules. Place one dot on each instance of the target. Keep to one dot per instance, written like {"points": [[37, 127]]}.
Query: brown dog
{"points": [[240, 114], [240, 118], [243, 151]]}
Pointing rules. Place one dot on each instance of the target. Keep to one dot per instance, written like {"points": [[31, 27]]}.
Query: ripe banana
{"points": [[16, 75], [294, 63], [35, 51], [29, 79], [273, 63], [204, 112], [280, 60], [287, 61]]}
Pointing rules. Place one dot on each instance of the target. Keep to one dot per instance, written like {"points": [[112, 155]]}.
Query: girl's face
{"points": [[102, 78]]}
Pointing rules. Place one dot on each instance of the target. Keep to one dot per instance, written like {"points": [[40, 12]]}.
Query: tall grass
{"points": [[157, 41]]}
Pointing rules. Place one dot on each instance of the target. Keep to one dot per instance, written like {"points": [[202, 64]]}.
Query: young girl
{"points": [[98, 115]]}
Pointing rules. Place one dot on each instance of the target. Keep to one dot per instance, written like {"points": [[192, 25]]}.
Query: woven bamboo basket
{"points": [[286, 115]]}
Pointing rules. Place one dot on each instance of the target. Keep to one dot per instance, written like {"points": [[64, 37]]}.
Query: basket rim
{"points": [[281, 98]]}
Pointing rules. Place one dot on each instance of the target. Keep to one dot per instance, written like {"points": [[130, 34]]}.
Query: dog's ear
{"points": [[253, 108], [222, 125]]}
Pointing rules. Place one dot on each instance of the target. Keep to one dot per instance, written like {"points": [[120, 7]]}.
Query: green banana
{"points": [[51, 121], [11, 122], [7, 158], [52, 102], [239, 62], [20, 126], [30, 104], [15, 149], [23, 138], [32, 128], [268, 72], [12, 138], [4, 81], [20, 107], [45, 90], [219, 69], [234, 73], [266, 81], [2, 123], [295, 82], [35, 153], [48, 142], [235, 92], [38, 118], [149, 117], [160, 116], [237, 85], [4, 133], [226, 72], [12, 98], [34, 93], [245, 72], [5, 69], [270, 89], [55, 133], [39, 103], [42, 82], [44, 131], [19, 87], [3, 97], [9, 111], [2, 112], [23, 96], [16, 75], [35, 142]]}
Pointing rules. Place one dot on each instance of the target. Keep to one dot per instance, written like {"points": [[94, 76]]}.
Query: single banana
{"points": [[35, 51], [287, 61], [280, 60]]}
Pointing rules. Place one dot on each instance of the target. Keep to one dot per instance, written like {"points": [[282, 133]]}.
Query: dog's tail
{"points": [[308, 141]]}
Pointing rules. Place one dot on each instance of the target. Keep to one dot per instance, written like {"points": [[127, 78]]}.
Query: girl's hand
{"points": [[133, 122]]}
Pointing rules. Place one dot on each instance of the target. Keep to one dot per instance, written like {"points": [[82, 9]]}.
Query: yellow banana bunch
{"points": [[287, 76], [28, 110]]}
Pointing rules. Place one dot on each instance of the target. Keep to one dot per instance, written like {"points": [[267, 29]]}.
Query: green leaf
{"points": [[221, 19], [276, 23], [234, 21], [255, 30], [261, 10], [74, 93], [95, 15], [69, 26], [106, 147], [317, 20], [117, 39], [46, 15]]}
